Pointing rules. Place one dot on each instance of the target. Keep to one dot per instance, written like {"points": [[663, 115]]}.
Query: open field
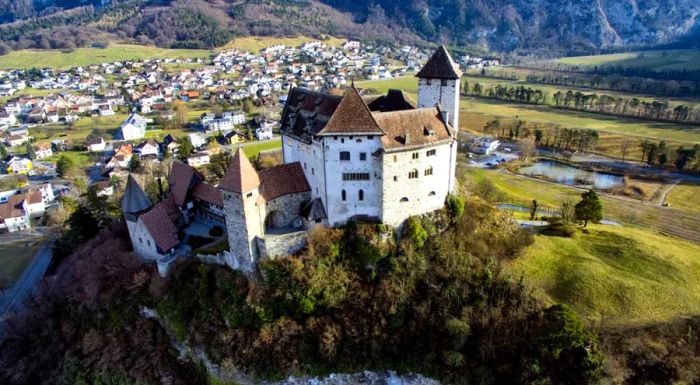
{"points": [[685, 196], [678, 59], [255, 43], [252, 149], [516, 188], [85, 56], [615, 274], [475, 112], [14, 258]]}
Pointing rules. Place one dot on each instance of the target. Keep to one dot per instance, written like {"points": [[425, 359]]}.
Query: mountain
{"points": [[539, 26]]}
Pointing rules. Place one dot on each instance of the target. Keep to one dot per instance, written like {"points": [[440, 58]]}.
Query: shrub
{"points": [[559, 230], [413, 229], [455, 205]]}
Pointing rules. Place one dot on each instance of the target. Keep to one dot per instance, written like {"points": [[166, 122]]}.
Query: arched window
{"points": [[361, 195], [404, 199], [343, 196], [432, 194], [413, 174], [428, 171]]}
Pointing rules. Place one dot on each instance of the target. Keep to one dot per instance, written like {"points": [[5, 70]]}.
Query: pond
{"points": [[570, 175]]}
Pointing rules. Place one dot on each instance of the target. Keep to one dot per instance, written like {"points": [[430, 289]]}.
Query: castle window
{"points": [[395, 158], [250, 194], [361, 195], [370, 137], [335, 138], [414, 155], [428, 81], [363, 155], [140, 239], [428, 171], [343, 196], [312, 171], [430, 153], [432, 194], [350, 137], [404, 199], [149, 242], [443, 82], [413, 174], [345, 155], [342, 140], [396, 178], [355, 176], [358, 141], [304, 165]]}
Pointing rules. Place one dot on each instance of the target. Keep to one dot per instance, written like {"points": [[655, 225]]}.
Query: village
{"points": [[105, 118]]}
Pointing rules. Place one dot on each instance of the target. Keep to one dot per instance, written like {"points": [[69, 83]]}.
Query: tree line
{"points": [[621, 70], [670, 88], [657, 110], [561, 138], [682, 158]]}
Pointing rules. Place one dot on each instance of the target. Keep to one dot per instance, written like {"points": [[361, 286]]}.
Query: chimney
{"points": [[445, 116]]}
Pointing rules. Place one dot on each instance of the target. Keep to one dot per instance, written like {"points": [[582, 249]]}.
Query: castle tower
{"points": [[439, 83], [244, 210], [134, 201]]}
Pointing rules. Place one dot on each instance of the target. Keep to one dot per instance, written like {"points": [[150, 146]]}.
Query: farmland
{"points": [[85, 56], [658, 60], [256, 43]]}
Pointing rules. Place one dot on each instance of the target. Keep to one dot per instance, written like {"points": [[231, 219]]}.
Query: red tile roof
{"points": [[282, 180], [440, 66], [208, 193], [13, 208], [181, 179], [351, 117], [160, 226], [240, 176], [413, 128]]}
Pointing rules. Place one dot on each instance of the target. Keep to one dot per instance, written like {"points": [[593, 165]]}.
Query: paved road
{"points": [[12, 299]]}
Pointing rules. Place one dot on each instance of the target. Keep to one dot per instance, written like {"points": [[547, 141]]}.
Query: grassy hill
{"points": [[85, 56], [615, 274]]}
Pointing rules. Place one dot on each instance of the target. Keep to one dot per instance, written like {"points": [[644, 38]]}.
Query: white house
{"points": [[148, 148], [7, 119], [197, 140], [134, 127], [198, 159], [43, 152], [237, 117], [96, 144]]}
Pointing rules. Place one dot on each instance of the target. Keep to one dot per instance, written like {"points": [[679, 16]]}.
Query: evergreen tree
{"points": [[589, 208], [3, 151], [31, 153]]}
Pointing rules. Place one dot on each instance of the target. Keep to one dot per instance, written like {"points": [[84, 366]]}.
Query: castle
{"points": [[344, 157]]}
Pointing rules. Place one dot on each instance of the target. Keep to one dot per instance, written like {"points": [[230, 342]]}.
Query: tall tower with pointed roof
{"points": [[134, 201], [439, 83], [244, 210]]}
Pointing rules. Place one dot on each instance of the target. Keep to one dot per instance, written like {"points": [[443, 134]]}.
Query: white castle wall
{"points": [[311, 158], [141, 240], [337, 210], [404, 197]]}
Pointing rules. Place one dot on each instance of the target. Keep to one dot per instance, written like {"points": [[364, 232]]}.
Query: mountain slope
{"points": [[567, 26]]}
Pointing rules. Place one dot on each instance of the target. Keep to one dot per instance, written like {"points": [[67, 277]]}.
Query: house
{"points": [[17, 165], [134, 127], [198, 159], [43, 152], [263, 132], [14, 214], [197, 140], [7, 119], [16, 140], [171, 144], [58, 145], [148, 148], [235, 137], [96, 144], [237, 117], [484, 145]]}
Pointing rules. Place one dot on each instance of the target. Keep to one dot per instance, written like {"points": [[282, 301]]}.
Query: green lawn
{"points": [[14, 258], [252, 149], [86, 56], [685, 196], [658, 60], [615, 274], [79, 158], [521, 190]]}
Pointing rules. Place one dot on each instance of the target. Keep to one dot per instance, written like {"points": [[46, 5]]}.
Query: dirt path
{"points": [[664, 194]]}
